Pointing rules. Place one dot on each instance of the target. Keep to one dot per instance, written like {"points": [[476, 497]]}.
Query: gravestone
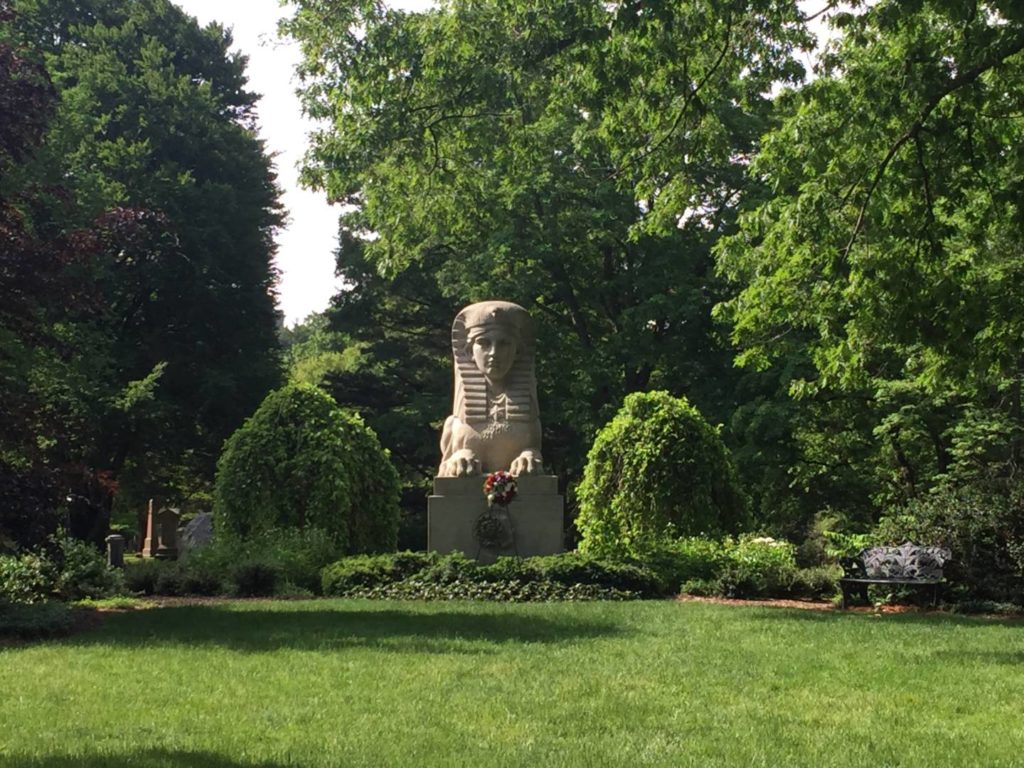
{"points": [[115, 550], [161, 533], [494, 425]]}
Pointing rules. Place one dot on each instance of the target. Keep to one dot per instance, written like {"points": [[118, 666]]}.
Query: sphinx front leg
{"points": [[526, 463], [463, 463]]}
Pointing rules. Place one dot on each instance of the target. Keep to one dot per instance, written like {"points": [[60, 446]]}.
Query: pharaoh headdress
{"points": [[471, 395]]}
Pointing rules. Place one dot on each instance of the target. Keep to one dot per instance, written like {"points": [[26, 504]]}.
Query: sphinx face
{"points": [[494, 352]]}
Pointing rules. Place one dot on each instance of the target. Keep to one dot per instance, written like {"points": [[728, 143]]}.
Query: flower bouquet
{"points": [[499, 488]]}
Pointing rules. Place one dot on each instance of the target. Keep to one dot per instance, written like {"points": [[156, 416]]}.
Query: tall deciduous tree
{"points": [[579, 158], [887, 253], [152, 148]]}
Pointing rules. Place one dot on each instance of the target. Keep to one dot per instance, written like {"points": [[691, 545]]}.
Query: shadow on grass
{"points": [[150, 758], [255, 630]]}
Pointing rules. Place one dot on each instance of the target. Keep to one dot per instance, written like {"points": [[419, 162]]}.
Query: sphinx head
{"points": [[493, 333], [493, 344]]}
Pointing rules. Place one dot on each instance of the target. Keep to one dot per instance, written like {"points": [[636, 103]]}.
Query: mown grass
{"points": [[355, 683]]}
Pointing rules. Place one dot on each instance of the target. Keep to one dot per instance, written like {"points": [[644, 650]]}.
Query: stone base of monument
{"points": [[533, 521]]}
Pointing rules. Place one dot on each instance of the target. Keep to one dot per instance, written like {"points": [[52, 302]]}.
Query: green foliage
{"points": [[301, 462], [576, 568], [276, 561], [748, 567], [505, 591], [254, 578], [882, 266], [141, 575], [983, 527], [657, 470], [487, 162], [757, 568], [83, 572], [687, 559], [138, 316], [416, 575], [840, 544], [26, 578], [344, 576], [73, 570]]}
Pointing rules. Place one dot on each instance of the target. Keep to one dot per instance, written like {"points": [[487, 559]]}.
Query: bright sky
{"points": [[305, 253], [306, 247]]}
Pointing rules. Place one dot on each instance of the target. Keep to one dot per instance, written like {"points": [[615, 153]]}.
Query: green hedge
{"points": [[428, 575]]}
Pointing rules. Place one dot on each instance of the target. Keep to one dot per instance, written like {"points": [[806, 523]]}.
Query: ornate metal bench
{"points": [[906, 565]]}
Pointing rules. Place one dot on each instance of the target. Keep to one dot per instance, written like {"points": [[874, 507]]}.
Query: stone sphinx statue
{"points": [[495, 422]]}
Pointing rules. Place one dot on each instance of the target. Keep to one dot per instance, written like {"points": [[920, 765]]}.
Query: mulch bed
{"points": [[808, 605]]}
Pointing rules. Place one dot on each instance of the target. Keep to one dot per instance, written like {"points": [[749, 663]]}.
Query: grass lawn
{"points": [[353, 683]]}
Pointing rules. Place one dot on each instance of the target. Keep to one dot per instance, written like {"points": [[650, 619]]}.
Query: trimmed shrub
{"points": [[683, 560], [231, 566], [658, 470], [346, 575], [141, 576], [417, 575], [750, 567], [821, 581], [576, 568], [301, 462], [498, 591]]}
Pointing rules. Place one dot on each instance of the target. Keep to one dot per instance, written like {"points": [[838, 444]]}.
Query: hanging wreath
{"points": [[493, 530]]}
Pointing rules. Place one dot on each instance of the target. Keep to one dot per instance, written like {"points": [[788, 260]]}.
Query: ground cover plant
{"points": [[359, 683]]}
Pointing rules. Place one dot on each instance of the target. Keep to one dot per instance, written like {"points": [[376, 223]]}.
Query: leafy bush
{"points": [[301, 462], [682, 560], [254, 578], [982, 527], [658, 470], [745, 567], [84, 573], [350, 573], [758, 567], [29, 621], [26, 578], [821, 581], [141, 576]]}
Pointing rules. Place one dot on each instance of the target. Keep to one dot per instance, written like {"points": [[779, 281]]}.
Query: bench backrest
{"points": [[907, 561]]}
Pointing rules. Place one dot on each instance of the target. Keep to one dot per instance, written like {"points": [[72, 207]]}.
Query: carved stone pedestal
{"points": [[534, 517]]}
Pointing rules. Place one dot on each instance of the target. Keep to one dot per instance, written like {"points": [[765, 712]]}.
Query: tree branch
{"points": [[684, 109], [1010, 48]]}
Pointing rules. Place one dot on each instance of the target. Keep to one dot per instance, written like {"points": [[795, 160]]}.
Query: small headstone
{"points": [[115, 551]]}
